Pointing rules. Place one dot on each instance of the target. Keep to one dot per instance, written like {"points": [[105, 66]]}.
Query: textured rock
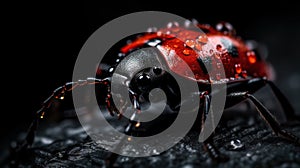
{"points": [[247, 141]]}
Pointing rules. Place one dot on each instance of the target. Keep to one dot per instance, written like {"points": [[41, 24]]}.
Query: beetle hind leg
{"points": [[285, 104], [268, 117], [271, 121]]}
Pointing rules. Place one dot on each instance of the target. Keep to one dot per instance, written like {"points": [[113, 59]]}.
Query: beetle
{"points": [[245, 69]]}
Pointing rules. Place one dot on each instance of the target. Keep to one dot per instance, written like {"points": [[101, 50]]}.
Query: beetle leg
{"points": [[268, 117], [58, 94], [208, 144], [133, 122], [112, 157], [285, 104], [256, 83]]}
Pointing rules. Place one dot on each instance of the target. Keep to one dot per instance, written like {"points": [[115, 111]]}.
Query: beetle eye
{"points": [[157, 70], [143, 79]]}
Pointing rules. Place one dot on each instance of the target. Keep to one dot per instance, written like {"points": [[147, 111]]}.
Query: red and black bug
{"points": [[246, 72]]}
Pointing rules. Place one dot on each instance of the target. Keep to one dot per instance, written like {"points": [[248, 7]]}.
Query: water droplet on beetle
{"points": [[228, 60], [251, 57], [121, 55], [219, 47], [217, 55], [151, 29], [236, 76], [238, 68], [218, 76], [154, 43], [169, 35], [190, 43], [186, 52], [198, 46], [202, 39], [159, 33], [187, 23], [244, 74], [111, 69], [225, 28], [172, 24], [195, 22]]}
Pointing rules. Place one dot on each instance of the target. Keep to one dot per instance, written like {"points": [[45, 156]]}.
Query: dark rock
{"points": [[248, 144]]}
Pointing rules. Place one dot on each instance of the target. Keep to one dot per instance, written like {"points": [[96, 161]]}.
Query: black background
{"points": [[42, 40]]}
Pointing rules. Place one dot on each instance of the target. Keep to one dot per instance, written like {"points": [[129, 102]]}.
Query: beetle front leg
{"points": [[133, 122], [58, 94], [208, 144]]}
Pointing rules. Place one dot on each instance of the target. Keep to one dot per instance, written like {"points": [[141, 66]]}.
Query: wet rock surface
{"points": [[247, 141]]}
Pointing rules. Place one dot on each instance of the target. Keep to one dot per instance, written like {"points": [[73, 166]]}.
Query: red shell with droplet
{"points": [[238, 60]]}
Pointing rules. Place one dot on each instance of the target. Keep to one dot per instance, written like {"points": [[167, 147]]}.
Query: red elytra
{"points": [[213, 47]]}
